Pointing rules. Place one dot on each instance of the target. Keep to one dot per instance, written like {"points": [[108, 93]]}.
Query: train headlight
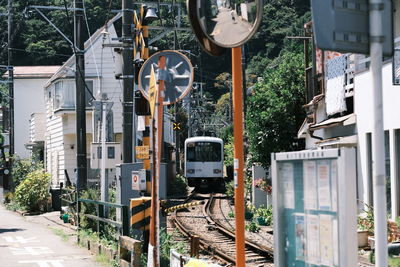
{"points": [[191, 171], [217, 171]]}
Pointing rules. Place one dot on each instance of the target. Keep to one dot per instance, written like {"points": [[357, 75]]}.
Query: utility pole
{"points": [[81, 181], [128, 80], [10, 85], [378, 146]]}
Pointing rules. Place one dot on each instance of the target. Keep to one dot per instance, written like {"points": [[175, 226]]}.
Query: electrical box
{"points": [[113, 155], [315, 208], [139, 180]]}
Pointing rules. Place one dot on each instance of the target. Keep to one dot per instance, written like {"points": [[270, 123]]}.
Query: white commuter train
{"points": [[204, 160]]}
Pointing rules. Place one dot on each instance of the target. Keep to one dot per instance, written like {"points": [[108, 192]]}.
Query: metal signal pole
{"points": [[238, 155], [128, 80], [10, 84], [80, 96], [378, 146]]}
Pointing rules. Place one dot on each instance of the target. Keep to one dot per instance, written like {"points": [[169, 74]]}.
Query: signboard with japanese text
{"points": [[142, 152], [315, 212]]}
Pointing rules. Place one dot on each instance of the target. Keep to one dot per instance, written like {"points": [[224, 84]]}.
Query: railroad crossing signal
{"points": [[177, 75], [177, 126]]}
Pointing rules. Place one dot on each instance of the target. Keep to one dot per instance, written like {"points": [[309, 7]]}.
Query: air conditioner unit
{"points": [[113, 155]]}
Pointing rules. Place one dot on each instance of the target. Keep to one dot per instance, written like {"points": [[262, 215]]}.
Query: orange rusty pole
{"points": [[157, 165], [238, 155]]}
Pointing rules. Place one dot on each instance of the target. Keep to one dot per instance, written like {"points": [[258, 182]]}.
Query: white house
{"points": [[339, 113], [60, 137], [28, 99]]}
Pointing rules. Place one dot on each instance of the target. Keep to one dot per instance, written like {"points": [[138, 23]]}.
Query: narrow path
{"points": [[26, 243]]}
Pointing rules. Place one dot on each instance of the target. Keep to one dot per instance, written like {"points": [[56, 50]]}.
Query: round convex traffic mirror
{"points": [[229, 23]]}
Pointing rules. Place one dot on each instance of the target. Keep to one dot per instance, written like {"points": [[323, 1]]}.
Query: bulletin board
{"points": [[315, 210]]}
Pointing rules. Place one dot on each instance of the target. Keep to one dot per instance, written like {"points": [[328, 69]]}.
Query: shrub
{"points": [[252, 227], [33, 192], [265, 213], [177, 186], [229, 189], [22, 167], [167, 243], [87, 208]]}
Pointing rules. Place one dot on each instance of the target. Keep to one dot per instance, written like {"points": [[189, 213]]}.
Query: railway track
{"points": [[215, 238]]}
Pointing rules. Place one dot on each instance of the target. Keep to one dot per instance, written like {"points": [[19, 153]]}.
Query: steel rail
{"points": [[252, 246]]}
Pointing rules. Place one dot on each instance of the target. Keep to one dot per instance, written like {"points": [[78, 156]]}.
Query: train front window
{"points": [[203, 151]]}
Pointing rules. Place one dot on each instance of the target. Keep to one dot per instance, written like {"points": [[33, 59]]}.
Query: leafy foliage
{"points": [[177, 186], [166, 244], [265, 213], [22, 167], [87, 208], [275, 112], [228, 149], [229, 189], [252, 227], [33, 192], [36, 42]]}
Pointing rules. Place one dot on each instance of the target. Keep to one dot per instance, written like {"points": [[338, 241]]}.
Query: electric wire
{"points": [[91, 45], [74, 48]]}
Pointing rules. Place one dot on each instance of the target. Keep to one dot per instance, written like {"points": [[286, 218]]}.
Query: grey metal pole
{"points": [[103, 177], [10, 85], [80, 106], [378, 145], [128, 81]]}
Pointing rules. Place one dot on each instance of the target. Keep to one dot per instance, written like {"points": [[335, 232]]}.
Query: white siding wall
{"points": [[37, 127], [28, 99], [54, 143]]}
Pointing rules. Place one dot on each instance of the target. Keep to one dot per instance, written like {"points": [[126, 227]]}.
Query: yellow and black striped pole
{"points": [[146, 133], [140, 213]]}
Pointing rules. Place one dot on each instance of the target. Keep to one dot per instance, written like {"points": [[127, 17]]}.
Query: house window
{"points": [[65, 94], [111, 152]]}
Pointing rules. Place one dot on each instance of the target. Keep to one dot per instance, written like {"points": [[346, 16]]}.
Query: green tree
{"points": [[275, 112]]}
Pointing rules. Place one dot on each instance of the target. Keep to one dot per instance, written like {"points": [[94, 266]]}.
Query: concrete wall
{"points": [[28, 99]]}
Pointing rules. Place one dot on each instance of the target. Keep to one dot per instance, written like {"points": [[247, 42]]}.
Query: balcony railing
{"points": [[65, 94]]}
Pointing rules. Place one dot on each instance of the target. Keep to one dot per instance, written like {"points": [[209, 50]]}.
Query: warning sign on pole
{"points": [[152, 91]]}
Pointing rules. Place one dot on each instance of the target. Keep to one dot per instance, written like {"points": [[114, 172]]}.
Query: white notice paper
{"points": [[310, 184], [335, 238], [324, 192], [334, 179], [312, 239], [286, 173], [325, 239]]}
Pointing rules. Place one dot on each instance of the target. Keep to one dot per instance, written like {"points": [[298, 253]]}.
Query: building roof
{"points": [[21, 72]]}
